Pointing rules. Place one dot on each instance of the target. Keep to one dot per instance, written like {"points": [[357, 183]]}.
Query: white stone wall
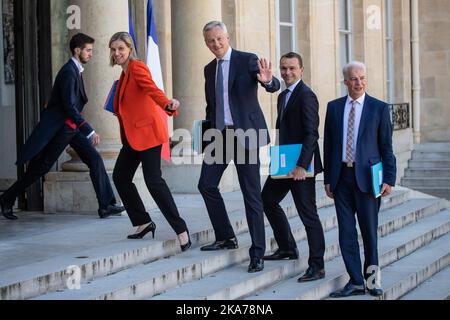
{"points": [[435, 69]]}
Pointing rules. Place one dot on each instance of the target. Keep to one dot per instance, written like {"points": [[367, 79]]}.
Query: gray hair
{"points": [[353, 65], [214, 24]]}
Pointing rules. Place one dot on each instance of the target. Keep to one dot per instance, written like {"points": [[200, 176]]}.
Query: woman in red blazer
{"points": [[143, 133]]}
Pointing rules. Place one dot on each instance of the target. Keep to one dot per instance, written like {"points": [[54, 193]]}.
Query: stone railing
{"points": [[400, 116]]}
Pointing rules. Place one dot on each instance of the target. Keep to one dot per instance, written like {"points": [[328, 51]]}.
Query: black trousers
{"points": [[250, 183], [124, 171], [304, 194], [43, 162], [348, 201]]}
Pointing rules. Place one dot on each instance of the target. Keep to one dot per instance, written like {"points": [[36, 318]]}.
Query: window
{"points": [[286, 26], [345, 36], [390, 85]]}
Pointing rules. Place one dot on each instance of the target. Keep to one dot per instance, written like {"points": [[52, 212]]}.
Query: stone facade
{"points": [[435, 70], [253, 26]]}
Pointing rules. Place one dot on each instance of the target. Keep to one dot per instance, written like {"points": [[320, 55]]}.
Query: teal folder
{"points": [[377, 178], [284, 158], [200, 127], [109, 104]]}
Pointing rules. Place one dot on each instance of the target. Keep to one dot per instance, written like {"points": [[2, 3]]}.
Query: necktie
{"points": [[350, 153], [284, 102], [220, 109]]}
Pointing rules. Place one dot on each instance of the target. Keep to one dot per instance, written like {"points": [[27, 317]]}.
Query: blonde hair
{"points": [[128, 40]]}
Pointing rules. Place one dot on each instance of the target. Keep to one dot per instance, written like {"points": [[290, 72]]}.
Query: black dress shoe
{"points": [[375, 292], [7, 210], [256, 265], [349, 290], [312, 274], [150, 228], [111, 210], [221, 245], [283, 254]]}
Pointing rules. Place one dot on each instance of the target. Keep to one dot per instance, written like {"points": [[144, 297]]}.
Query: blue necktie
{"points": [[220, 109], [284, 102]]}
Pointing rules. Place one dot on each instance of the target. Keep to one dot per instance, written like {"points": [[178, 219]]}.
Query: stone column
{"points": [[72, 190], [100, 19], [190, 55], [416, 87]]}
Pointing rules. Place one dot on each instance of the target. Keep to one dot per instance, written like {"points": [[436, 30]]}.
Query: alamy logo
{"points": [[374, 281], [73, 274], [74, 20], [373, 17]]}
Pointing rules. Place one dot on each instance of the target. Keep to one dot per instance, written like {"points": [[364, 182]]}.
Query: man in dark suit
{"points": [[62, 124], [297, 123], [358, 134], [231, 87]]}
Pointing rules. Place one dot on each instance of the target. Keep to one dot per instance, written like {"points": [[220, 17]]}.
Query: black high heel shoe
{"points": [[186, 246], [150, 228]]}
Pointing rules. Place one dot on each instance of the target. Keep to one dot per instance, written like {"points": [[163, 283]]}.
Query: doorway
{"points": [[33, 79]]}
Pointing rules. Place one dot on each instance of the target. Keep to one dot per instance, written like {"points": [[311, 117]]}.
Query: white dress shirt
{"points": [[78, 64], [359, 105], [226, 75], [291, 89], [81, 69]]}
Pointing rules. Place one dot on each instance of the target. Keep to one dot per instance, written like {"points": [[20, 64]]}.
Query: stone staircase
{"points": [[429, 169], [414, 232]]}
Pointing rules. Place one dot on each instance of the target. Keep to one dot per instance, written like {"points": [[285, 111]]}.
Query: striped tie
{"points": [[350, 153]]}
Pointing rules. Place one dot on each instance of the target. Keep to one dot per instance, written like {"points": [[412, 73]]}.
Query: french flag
{"points": [[154, 64]]}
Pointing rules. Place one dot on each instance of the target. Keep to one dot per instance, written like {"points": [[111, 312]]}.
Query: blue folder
{"points": [[200, 127], [284, 158], [377, 178], [109, 104]]}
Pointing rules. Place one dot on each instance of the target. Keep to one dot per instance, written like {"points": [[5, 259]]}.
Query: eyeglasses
{"points": [[356, 79]]}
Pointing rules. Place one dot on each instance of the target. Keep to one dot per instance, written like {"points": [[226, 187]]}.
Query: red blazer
{"points": [[136, 106]]}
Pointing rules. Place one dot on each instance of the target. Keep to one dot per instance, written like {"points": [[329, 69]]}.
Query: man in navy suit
{"points": [[231, 88], [61, 124], [297, 123], [358, 134]]}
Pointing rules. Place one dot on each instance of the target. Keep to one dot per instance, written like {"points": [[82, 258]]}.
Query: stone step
{"points": [[426, 155], [226, 285], [422, 164], [441, 182], [97, 250], [39, 274], [428, 173], [392, 247], [403, 276], [435, 288], [233, 283], [148, 280], [436, 192], [155, 278], [433, 147]]}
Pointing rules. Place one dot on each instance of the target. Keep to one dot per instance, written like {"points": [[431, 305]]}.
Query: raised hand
{"points": [[265, 74]]}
